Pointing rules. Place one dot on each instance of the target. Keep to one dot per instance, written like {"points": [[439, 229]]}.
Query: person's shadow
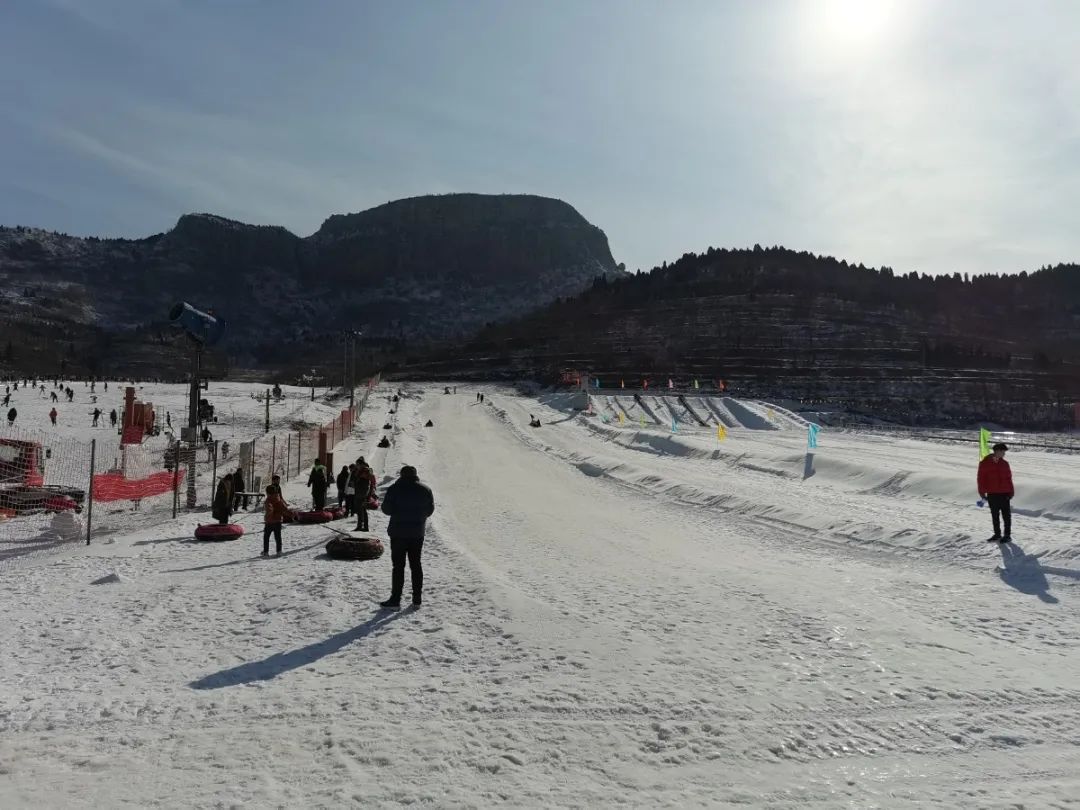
{"points": [[1024, 573], [279, 663]]}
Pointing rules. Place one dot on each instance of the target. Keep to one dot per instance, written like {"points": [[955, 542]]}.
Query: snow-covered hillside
{"points": [[614, 615]]}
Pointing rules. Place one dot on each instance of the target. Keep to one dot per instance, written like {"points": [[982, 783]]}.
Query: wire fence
{"points": [[56, 490]]}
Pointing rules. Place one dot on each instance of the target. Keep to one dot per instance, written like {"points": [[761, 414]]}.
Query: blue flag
{"points": [[674, 427], [811, 435]]}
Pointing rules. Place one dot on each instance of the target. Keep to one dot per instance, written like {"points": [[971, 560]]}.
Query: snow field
{"points": [[612, 616]]}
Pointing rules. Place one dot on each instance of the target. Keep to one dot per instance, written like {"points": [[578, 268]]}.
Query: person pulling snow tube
{"points": [[372, 503], [354, 548], [314, 516], [218, 532]]}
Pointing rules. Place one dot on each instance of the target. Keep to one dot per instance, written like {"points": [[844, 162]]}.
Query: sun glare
{"points": [[854, 22]]}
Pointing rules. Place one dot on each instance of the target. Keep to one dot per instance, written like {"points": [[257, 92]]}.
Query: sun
{"points": [[854, 22]]}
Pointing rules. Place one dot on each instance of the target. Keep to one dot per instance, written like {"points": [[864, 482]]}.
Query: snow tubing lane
{"points": [[322, 516], [354, 548], [218, 532]]}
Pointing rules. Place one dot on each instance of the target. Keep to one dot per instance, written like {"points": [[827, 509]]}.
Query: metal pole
{"points": [[251, 466], [90, 491], [352, 375], [288, 454], [175, 476], [273, 453], [213, 479], [266, 429], [299, 441]]}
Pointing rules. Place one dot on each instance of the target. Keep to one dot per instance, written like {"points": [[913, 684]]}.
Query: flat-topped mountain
{"points": [[416, 269]]}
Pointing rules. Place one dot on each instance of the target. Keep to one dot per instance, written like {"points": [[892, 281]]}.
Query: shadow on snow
{"points": [[280, 663]]}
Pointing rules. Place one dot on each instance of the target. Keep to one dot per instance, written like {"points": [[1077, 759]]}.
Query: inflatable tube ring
{"points": [[354, 548], [218, 532]]}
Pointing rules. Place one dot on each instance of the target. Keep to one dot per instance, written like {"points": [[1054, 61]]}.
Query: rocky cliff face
{"points": [[417, 269]]}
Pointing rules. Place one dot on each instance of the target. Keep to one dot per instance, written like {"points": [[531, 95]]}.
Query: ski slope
{"points": [[613, 616]]}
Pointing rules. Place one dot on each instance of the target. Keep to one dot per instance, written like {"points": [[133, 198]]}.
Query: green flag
{"points": [[984, 443]]}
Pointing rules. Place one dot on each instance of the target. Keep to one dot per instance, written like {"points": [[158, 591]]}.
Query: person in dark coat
{"points": [[996, 488], [342, 484], [318, 482], [223, 500], [362, 488], [237, 488], [409, 504]]}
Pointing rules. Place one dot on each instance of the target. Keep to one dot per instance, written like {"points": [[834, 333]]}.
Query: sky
{"points": [[928, 135]]}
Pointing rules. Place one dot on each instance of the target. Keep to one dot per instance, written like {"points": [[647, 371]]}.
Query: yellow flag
{"points": [[622, 417], [721, 433], [643, 420], [770, 413]]}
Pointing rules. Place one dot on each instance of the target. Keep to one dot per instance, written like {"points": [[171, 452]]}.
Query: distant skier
{"points": [[11, 416], [996, 488], [97, 416], [409, 504], [52, 416], [168, 419], [318, 483], [7, 399], [53, 396], [224, 450], [112, 417]]}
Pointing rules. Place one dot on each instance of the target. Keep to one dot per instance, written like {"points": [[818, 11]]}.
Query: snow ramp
{"points": [[747, 416], [782, 416], [693, 413], [720, 411]]}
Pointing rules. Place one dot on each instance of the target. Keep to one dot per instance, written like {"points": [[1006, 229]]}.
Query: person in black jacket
{"points": [[342, 482], [237, 488], [319, 482], [409, 504]]}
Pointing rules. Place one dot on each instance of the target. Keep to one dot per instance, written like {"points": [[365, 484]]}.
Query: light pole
{"points": [[350, 368]]}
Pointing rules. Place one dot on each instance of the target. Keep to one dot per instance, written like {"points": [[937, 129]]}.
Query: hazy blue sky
{"points": [[933, 136]]}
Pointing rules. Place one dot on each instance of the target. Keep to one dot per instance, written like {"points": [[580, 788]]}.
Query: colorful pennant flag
{"points": [[674, 427], [984, 443], [811, 435], [721, 433]]}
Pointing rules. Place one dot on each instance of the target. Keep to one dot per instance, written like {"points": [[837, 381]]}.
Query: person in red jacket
{"points": [[996, 488]]}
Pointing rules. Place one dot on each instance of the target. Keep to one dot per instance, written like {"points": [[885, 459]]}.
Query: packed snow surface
{"points": [[614, 615]]}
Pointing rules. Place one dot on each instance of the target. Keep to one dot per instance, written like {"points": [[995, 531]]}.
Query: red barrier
{"points": [[112, 486]]}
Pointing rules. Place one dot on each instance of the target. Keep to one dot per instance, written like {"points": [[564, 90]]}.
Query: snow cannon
{"points": [[203, 328]]}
